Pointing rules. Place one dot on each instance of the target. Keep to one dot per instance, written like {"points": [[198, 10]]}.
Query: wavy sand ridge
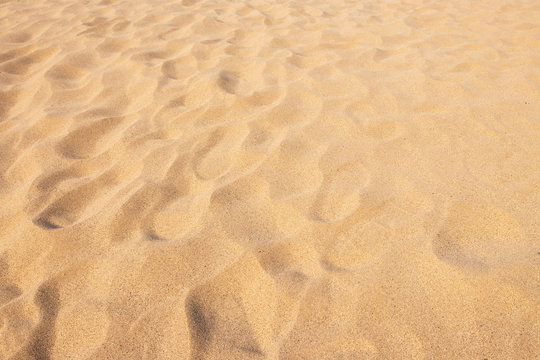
{"points": [[269, 179]]}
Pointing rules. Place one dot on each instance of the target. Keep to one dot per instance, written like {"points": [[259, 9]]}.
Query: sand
{"points": [[257, 179]]}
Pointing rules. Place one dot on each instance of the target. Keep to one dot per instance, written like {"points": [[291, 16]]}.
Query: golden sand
{"points": [[259, 179]]}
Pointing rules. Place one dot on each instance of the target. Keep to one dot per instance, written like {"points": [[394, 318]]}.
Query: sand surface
{"points": [[252, 179]]}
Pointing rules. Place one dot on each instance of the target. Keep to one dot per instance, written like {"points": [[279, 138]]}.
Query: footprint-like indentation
{"points": [[241, 78], [229, 81], [480, 236]]}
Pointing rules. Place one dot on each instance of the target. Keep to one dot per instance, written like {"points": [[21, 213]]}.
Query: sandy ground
{"points": [[256, 179]]}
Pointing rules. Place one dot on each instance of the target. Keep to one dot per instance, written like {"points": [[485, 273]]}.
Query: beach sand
{"points": [[257, 179]]}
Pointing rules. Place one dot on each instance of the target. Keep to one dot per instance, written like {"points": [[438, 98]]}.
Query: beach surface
{"points": [[282, 180]]}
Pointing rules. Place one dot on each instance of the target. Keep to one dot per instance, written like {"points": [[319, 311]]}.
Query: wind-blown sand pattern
{"points": [[259, 179]]}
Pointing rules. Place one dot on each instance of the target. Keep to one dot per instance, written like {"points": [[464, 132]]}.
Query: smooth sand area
{"points": [[270, 179]]}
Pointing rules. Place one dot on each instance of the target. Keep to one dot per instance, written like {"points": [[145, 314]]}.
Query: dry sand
{"points": [[256, 179]]}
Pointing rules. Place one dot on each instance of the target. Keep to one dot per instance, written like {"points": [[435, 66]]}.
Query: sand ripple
{"points": [[269, 179]]}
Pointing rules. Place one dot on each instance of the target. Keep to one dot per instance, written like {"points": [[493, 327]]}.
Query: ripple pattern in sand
{"points": [[269, 179]]}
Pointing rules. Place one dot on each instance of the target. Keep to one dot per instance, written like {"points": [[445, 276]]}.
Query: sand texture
{"points": [[269, 179]]}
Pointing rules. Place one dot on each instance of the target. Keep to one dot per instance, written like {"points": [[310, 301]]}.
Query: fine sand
{"points": [[269, 179]]}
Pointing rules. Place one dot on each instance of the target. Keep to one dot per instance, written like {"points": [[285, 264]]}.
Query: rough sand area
{"points": [[252, 179]]}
